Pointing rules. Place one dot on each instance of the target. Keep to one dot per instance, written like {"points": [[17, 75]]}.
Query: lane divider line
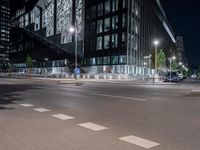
{"points": [[119, 97], [93, 126], [62, 116], [139, 141], [26, 105], [41, 109]]}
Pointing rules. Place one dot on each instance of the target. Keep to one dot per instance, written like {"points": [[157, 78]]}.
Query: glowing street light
{"points": [[156, 42], [74, 30], [170, 60]]}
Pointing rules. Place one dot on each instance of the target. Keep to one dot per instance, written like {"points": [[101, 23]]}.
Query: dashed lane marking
{"points": [[198, 91], [119, 97], [62, 116], [26, 105], [139, 141], [41, 109], [93, 126]]}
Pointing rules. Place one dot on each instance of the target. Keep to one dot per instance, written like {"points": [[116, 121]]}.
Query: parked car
{"points": [[172, 77]]}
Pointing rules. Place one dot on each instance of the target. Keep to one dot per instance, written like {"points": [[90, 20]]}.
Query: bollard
{"points": [[88, 76], [119, 77], [111, 77], [96, 77], [105, 77]]}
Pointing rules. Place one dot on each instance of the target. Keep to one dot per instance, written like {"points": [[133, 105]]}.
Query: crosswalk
{"points": [[131, 139]]}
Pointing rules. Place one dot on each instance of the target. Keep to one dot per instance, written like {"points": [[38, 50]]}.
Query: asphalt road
{"points": [[98, 115]]}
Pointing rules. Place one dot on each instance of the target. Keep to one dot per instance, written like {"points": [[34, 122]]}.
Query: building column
{"points": [[55, 16], [40, 17]]}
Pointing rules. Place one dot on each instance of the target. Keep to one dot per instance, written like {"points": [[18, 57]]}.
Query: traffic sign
{"points": [[77, 70]]}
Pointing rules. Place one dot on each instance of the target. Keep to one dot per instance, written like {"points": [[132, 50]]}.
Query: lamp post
{"points": [[170, 61], [156, 42], [74, 30], [149, 57]]}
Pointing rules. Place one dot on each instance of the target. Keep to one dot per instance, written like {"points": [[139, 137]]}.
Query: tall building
{"points": [[4, 31], [40, 28], [180, 50], [112, 35], [120, 33]]}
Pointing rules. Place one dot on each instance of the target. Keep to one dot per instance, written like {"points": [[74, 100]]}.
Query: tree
{"points": [[161, 59], [174, 65], [29, 63], [198, 71], [189, 71]]}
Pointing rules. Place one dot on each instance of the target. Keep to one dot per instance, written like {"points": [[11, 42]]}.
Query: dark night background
{"points": [[184, 17]]}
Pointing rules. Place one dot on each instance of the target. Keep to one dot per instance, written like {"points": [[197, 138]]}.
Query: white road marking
{"points": [[62, 116], [41, 109], [92, 126], [196, 91], [139, 141], [26, 105], [120, 97]]}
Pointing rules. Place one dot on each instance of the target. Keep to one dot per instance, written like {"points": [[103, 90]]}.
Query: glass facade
{"points": [[112, 32], [4, 32]]}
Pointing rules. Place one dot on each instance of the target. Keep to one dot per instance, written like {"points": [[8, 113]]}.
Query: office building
{"points": [[180, 51], [113, 36], [4, 32]]}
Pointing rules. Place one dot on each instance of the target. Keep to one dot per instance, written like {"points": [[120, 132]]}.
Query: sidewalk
{"points": [[81, 80]]}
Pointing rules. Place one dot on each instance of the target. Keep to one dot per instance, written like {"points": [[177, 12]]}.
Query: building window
{"points": [[100, 9], [115, 22], [93, 44], [92, 61], [123, 20], [100, 26], [107, 6], [114, 40], [122, 59], [93, 12], [106, 42], [99, 60], [88, 13], [136, 29], [99, 43], [115, 4], [93, 28], [123, 39], [106, 60], [26, 19], [124, 4], [114, 60], [107, 24]]}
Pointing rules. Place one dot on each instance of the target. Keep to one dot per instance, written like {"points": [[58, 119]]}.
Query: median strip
{"points": [[119, 97]]}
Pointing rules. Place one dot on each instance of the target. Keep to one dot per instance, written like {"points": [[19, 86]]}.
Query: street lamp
{"points": [[170, 60], [149, 57], [156, 42], [144, 67], [180, 63], [74, 30]]}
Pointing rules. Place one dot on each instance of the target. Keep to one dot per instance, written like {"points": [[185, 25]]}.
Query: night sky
{"points": [[184, 17]]}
